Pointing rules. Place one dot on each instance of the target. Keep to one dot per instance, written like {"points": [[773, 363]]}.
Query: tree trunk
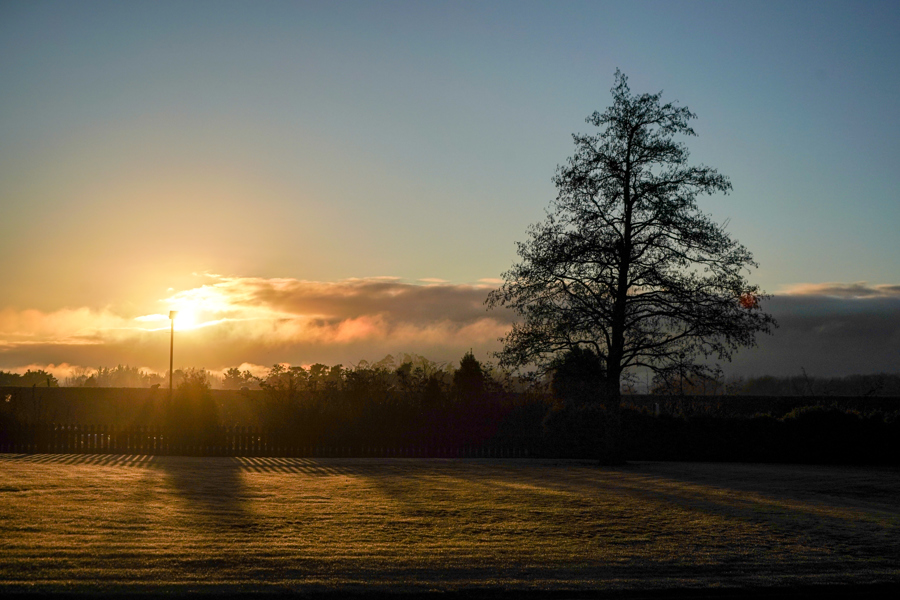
{"points": [[609, 447]]}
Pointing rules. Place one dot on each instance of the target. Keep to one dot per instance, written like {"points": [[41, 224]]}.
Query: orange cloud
{"points": [[859, 289], [65, 326], [253, 320]]}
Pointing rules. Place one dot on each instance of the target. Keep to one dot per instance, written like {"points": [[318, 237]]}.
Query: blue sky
{"points": [[144, 143]]}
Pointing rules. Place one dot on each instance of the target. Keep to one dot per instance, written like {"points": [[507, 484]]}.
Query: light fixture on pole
{"points": [[172, 315]]}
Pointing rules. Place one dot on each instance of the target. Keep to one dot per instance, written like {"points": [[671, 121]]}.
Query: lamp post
{"points": [[172, 315]]}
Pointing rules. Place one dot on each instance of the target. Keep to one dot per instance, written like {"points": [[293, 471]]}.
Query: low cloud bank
{"points": [[829, 329], [233, 320]]}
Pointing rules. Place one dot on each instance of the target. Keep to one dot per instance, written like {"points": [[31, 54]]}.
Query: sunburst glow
{"points": [[186, 318]]}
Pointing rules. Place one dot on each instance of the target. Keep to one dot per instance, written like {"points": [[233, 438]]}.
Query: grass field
{"points": [[140, 523]]}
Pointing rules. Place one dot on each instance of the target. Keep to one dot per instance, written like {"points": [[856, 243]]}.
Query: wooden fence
{"points": [[229, 441]]}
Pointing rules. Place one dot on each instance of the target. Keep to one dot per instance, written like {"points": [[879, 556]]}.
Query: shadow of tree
{"points": [[210, 489]]}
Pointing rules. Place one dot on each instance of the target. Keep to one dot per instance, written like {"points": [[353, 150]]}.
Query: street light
{"points": [[172, 315]]}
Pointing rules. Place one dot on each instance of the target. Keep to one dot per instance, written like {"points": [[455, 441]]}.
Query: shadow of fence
{"points": [[227, 441]]}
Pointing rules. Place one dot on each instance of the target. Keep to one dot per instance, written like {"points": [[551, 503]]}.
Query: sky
{"points": [[336, 181]]}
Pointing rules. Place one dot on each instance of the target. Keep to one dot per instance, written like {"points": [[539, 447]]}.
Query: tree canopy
{"points": [[625, 263], [40, 378]]}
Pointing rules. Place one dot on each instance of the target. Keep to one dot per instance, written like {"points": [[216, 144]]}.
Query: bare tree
{"points": [[625, 263]]}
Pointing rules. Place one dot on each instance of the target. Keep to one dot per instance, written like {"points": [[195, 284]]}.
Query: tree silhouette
{"points": [[625, 263], [577, 375], [38, 378], [469, 379], [235, 379]]}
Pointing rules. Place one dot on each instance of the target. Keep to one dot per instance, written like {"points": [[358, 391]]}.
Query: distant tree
{"points": [[232, 379], [881, 384], [318, 373], [118, 376], [235, 379], [334, 380], [416, 371], [735, 385], [39, 378], [367, 383], [577, 374], [469, 379], [424, 379], [675, 384]]}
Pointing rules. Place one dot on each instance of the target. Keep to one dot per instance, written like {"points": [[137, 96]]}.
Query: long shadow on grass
{"points": [[211, 490], [299, 466], [706, 521]]}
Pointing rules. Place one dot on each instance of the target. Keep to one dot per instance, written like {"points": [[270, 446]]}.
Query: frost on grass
{"points": [[155, 522]]}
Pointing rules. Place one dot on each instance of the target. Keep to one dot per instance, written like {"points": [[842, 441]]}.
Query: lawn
{"points": [[138, 523]]}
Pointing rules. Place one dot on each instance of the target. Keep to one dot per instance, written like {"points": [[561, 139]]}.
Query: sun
{"points": [[186, 318]]}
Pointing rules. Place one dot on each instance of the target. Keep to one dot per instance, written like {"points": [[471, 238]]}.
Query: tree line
{"points": [[38, 377], [413, 372], [468, 411]]}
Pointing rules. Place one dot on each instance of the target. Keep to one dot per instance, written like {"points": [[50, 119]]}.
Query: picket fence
{"points": [[230, 441]]}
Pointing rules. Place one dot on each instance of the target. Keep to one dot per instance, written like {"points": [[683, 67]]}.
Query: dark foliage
{"points": [[469, 379], [28, 379], [381, 407], [578, 376], [874, 385]]}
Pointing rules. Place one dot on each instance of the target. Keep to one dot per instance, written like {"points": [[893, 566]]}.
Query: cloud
{"points": [[247, 298], [829, 329], [253, 320], [152, 318], [80, 326], [859, 289], [826, 329]]}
